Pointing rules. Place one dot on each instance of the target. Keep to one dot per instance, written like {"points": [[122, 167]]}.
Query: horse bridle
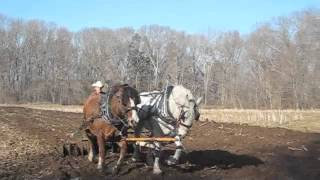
{"points": [[127, 109], [182, 117]]}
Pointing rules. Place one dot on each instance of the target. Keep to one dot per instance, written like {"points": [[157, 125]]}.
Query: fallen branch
{"points": [[295, 149], [203, 124], [303, 148]]}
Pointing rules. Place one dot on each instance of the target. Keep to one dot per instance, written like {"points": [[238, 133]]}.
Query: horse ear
{"points": [[199, 101]]}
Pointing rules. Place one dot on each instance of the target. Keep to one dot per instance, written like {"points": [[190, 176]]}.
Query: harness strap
{"points": [[162, 106], [106, 112], [163, 112], [187, 126]]}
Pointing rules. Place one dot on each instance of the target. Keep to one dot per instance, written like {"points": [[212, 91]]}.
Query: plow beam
{"points": [[150, 139]]}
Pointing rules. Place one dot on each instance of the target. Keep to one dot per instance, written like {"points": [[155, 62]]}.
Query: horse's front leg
{"points": [[156, 165], [91, 153], [136, 146], [173, 160], [101, 144], [123, 150]]}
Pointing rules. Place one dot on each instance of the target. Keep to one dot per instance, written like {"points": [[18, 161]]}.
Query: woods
{"points": [[275, 66]]}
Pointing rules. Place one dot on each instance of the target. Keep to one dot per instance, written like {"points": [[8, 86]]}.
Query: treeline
{"points": [[275, 66]]}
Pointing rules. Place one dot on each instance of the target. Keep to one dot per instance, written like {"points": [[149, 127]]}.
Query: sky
{"points": [[191, 16]]}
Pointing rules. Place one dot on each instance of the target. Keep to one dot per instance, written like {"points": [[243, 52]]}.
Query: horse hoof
{"points": [[171, 161], [136, 160], [157, 171], [99, 167], [115, 170], [90, 157], [136, 157]]}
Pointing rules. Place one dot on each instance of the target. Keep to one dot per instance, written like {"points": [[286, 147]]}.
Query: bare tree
{"points": [[275, 66]]}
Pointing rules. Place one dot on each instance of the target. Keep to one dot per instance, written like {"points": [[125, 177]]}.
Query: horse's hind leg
{"points": [[101, 144], [156, 165], [136, 147], [136, 152], [123, 150]]}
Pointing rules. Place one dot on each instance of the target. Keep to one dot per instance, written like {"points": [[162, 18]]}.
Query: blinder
{"points": [[197, 113], [196, 110], [126, 109], [131, 108]]}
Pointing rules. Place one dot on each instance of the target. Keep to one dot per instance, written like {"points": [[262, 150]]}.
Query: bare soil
{"points": [[31, 141]]}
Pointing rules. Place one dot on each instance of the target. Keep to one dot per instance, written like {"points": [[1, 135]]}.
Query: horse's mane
{"points": [[128, 92], [180, 93]]}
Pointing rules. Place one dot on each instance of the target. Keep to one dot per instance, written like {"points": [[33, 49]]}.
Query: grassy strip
{"points": [[300, 120]]}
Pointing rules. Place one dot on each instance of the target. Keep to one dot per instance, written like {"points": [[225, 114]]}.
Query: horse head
{"points": [[124, 103], [184, 107], [193, 112]]}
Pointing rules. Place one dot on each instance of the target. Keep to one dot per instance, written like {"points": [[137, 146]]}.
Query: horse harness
{"points": [[105, 109], [163, 111]]}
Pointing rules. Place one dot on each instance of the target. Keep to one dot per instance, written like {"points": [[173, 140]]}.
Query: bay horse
{"points": [[111, 125], [166, 113]]}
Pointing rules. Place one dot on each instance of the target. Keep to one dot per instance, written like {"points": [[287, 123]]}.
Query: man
{"points": [[101, 106], [97, 86], [93, 106]]}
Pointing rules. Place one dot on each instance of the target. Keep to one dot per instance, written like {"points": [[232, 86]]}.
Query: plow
{"points": [[75, 148], [150, 139], [81, 147]]}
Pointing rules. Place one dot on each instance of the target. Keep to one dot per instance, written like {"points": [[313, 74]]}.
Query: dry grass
{"points": [[300, 120], [52, 107]]}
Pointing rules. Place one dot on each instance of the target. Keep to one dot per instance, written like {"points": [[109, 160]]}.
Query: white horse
{"points": [[166, 113]]}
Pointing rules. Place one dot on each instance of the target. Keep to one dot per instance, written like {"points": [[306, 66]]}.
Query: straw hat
{"points": [[97, 84]]}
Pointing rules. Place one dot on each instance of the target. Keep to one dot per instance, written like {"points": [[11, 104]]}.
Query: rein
{"points": [[181, 120]]}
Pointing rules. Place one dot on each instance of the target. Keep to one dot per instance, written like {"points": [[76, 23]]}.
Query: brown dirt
{"points": [[31, 140]]}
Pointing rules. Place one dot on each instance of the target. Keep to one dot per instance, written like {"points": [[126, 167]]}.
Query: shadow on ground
{"points": [[213, 159]]}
